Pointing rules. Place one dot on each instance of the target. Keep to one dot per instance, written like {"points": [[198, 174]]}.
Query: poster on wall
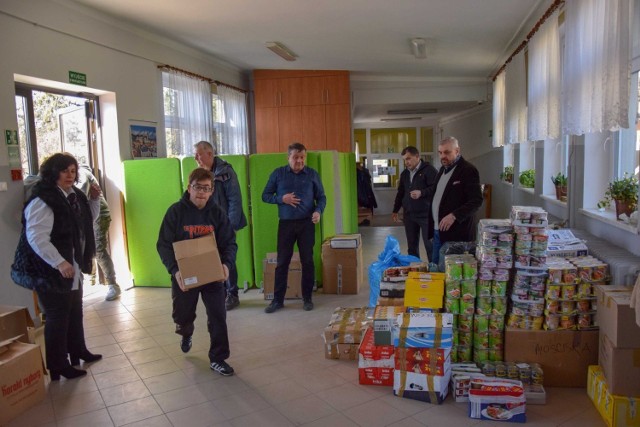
{"points": [[144, 142]]}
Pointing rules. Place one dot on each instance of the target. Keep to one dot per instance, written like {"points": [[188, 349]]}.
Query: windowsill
{"points": [[527, 190], [553, 200], [510, 184], [609, 217]]}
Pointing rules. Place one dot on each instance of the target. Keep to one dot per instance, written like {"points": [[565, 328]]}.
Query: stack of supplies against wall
{"points": [[619, 346], [294, 277], [497, 400], [343, 334], [342, 265], [423, 347]]}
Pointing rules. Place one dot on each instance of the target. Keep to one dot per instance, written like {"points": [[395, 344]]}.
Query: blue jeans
{"points": [[436, 247]]}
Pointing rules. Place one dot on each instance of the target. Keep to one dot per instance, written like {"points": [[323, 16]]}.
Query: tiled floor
{"points": [[282, 378]]}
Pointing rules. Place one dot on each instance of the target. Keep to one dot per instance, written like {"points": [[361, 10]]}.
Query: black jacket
{"points": [[31, 271], [184, 220], [227, 193], [462, 197], [423, 180]]}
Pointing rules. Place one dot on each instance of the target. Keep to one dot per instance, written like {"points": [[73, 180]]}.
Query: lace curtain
{"points": [[188, 112], [516, 100], [596, 67], [232, 123], [544, 82], [498, 111]]}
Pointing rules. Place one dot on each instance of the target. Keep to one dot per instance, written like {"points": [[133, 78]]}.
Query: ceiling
{"points": [[467, 40]]}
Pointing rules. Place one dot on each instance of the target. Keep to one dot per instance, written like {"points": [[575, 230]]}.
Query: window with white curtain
{"points": [[498, 137], [231, 122], [516, 100], [188, 112], [628, 140]]}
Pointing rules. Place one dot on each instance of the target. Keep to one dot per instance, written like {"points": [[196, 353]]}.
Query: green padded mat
{"points": [[348, 192], [313, 161], [150, 187], [244, 258]]}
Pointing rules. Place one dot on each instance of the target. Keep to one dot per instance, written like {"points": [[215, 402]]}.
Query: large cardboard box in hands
{"points": [[342, 265], [199, 261], [564, 355], [21, 378], [294, 277], [15, 322]]}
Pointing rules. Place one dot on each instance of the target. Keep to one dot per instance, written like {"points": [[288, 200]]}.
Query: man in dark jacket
{"points": [[196, 215], [456, 198], [414, 195], [228, 197]]}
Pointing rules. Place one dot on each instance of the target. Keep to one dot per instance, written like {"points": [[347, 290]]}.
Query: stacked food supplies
{"points": [[497, 399], [392, 285], [494, 252], [344, 333], [424, 290], [570, 302], [422, 356], [461, 272], [375, 362], [529, 224]]}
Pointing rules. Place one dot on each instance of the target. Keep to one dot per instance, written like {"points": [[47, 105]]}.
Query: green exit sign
{"points": [[77, 78]]}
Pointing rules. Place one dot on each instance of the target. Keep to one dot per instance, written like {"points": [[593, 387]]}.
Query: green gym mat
{"points": [[150, 187], [348, 192]]}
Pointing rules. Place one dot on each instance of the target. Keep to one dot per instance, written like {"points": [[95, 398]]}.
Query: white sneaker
{"points": [[113, 293]]}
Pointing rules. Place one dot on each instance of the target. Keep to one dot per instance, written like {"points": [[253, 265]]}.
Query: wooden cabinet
{"points": [[312, 107]]}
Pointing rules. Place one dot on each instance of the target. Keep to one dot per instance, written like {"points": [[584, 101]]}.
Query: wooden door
{"points": [[290, 126], [267, 135], [338, 125], [266, 93], [314, 134]]}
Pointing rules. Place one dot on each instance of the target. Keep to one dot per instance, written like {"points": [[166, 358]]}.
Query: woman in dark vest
{"points": [[56, 246]]}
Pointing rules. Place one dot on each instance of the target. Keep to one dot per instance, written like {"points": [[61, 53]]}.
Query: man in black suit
{"points": [[456, 198], [414, 195]]}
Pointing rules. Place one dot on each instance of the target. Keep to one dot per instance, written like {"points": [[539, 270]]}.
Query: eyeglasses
{"points": [[202, 188]]}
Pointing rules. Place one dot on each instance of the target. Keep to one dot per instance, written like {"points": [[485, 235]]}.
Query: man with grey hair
{"points": [[228, 197], [456, 198]]}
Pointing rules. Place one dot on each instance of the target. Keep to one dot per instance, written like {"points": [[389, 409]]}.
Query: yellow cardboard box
{"points": [[617, 411]]}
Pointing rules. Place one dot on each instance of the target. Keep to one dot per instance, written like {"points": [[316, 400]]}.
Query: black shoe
{"points": [[69, 372], [185, 344], [232, 302], [273, 307], [307, 306], [87, 356], [222, 368]]}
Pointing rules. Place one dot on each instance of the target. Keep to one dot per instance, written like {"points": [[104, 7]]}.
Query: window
{"points": [[556, 161], [527, 164], [628, 140]]}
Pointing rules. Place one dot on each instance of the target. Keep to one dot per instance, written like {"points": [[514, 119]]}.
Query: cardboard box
{"points": [[348, 325], [617, 411], [375, 376], [294, 277], [342, 268], [375, 362], [621, 367], [384, 317], [460, 384], [424, 293], [345, 241], [199, 261], [341, 351], [21, 377], [15, 322], [426, 388], [616, 319], [422, 329], [392, 289], [497, 399], [562, 243], [563, 355]]}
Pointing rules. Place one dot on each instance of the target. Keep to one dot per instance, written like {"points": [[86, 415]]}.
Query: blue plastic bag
{"points": [[389, 257]]}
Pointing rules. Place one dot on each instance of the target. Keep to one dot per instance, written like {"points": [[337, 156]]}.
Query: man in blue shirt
{"points": [[298, 192]]}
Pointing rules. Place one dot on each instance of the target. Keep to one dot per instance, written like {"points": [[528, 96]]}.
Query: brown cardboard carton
{"points": [[199, 261], [14, 322], [616, 319], [564, 355], [341, 351], [21, 378], [342, 267], [621, 367], [294, 278], [348, 325]]}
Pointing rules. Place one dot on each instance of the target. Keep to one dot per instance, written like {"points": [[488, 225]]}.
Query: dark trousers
{"points": [[414, 227], [232, 282], [63, 329], [290, 232], [184, 314]]}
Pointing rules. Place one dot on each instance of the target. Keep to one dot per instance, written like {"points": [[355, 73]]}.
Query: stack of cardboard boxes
{"points": [[345, 330], [342, 266], [294, 278]]}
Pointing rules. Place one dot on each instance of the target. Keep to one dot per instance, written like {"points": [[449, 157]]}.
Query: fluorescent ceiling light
{"points": [[281, 50], [414, 111], [419, 48], [400, 119]]}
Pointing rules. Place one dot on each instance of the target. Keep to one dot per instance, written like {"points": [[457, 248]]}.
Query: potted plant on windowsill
{"points": [[507, 174], [624, 192], [528, 178], [560, 181]]}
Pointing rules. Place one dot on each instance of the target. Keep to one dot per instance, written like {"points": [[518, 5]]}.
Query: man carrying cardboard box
{"points": [[196, 215]]}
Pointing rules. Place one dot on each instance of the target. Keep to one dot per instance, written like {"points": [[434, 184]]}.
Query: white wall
{"points": [[45, 40]]}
